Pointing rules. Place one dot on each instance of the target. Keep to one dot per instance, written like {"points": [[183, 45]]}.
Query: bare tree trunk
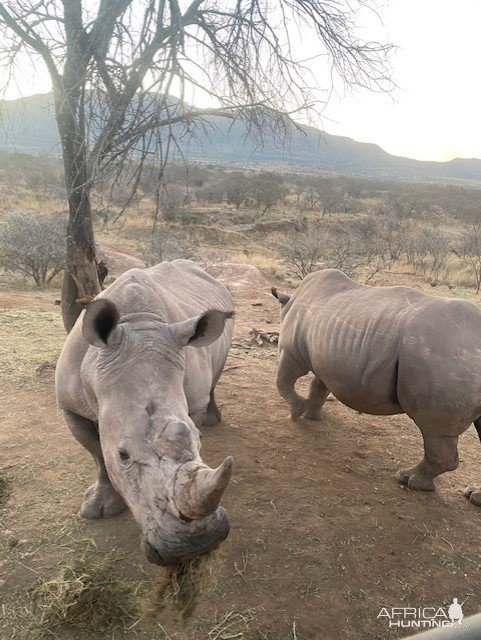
{"points": [[81, 282]]}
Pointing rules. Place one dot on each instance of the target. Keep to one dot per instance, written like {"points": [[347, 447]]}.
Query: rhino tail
{"points": [[282, 297]]}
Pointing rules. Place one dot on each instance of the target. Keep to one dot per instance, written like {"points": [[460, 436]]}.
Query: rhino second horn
{"points": [[201, 492]]}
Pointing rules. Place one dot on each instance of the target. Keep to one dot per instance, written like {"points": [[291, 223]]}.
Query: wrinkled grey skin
{"points": [[135, 380], [384, 351]]}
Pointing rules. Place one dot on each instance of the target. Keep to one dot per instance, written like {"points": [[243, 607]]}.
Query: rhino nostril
{"points": [[150, 408], [184, 518]]}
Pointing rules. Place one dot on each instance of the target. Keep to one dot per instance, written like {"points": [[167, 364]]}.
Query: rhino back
{"points": [[174, 291], [349, 335]]}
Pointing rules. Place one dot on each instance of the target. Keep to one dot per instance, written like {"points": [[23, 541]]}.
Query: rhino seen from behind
{"points": [[385, 351]]}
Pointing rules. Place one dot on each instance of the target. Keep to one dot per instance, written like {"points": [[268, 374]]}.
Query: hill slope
{"points": [[28, 125]]}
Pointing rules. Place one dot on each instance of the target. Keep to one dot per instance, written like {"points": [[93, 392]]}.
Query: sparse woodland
{"points": [[287, 223]]}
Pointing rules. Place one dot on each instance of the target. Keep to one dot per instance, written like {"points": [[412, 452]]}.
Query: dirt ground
{"points": [[322, 536]]}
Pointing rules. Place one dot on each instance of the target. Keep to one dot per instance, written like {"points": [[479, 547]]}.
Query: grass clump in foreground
{"points": [[88, 596], [180, 587]]}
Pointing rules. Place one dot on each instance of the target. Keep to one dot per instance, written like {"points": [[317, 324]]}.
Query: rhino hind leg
{"points": [[101, 499], [212, 414], [440, 455], [318, 393], [288, 373]]}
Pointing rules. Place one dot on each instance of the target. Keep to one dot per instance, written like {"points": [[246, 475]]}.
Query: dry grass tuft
{"points": [[88, 596], [232, 625], [5, 488], [180, 587]]}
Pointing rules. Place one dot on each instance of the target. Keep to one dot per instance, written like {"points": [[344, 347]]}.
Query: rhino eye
{"points": [[123, 455]]}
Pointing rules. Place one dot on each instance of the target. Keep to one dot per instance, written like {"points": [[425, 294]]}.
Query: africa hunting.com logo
{"points": [[423, 617]]}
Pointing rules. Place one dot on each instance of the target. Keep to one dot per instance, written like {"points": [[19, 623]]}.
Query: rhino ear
{"points": [[201, 330], [99, 326], [282, 297]]}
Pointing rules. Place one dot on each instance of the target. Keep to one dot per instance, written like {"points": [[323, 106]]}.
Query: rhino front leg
{"points": [[101, 499], [208, 415], [212, 415], [440, 455], [317, 397], [288, 372]]}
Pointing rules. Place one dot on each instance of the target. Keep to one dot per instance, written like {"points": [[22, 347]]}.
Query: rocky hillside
{"points": [[29, 126]]}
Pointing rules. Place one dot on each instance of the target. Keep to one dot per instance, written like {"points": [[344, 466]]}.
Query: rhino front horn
{"points": [[198, 489]]}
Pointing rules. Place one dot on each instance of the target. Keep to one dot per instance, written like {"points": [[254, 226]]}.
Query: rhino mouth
{"points": [[184, 541]]}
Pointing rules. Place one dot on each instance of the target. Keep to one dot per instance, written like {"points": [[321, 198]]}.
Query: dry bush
{"points": [[173, 200], [168, 244], [468, 249], [393, 231], [360, 246], [427, 251], [352, 247], [237, 188], [267, 190], [322, 195], [346, 250], [33, 245], [211, 191], [42, 181], [302, 251]]}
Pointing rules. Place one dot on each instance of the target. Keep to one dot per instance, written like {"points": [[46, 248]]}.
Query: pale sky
{"points": [[435, 112]]}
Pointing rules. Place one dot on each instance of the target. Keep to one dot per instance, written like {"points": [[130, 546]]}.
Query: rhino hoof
{"points": [[298, 409], [101, 501], [211, 418], [402, 476], [421, 483], [414, 481], [473, 495], [314, 414]]}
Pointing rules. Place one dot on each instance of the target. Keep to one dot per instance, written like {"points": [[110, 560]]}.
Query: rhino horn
{"points": [[198, 491]]}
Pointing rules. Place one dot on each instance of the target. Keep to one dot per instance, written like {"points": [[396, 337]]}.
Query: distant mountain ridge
{"points": [[28, 125]]}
